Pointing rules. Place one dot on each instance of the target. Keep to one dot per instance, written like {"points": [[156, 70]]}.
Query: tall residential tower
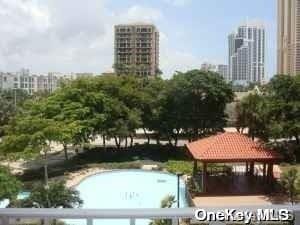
{"points": [[136, 49], [247, 54], [288, 57]]}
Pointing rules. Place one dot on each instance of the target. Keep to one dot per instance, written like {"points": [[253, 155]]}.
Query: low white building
{"points": [[29, 82], [221, 69]]}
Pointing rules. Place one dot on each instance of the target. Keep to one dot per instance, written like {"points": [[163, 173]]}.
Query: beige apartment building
{"points": [[136, 49], [288, 57]]}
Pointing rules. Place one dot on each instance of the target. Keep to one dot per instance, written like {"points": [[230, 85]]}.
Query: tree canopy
{"points": [[190, 104], [274, 113], [57, 195], [9, 185], [194, 104], [11, 102], [290, 183]]}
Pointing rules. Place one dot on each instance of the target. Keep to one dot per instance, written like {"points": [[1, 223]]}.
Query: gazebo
{"points": [[233, 148]]}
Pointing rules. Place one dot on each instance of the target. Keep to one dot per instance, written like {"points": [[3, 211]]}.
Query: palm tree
{"points": [[166, 202], [252, 113], [290, 181]]}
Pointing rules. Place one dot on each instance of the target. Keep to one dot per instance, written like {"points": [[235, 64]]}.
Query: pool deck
{"points": [[231, 200], [73, 179]]}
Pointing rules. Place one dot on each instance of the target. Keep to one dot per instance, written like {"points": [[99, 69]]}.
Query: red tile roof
{"points": [[230, 147]]}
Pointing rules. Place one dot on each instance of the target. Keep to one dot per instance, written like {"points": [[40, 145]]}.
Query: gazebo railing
{"points": [[9, 216]]}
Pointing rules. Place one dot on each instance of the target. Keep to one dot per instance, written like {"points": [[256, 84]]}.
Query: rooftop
{"points": [[231, 147], [135, 24]]}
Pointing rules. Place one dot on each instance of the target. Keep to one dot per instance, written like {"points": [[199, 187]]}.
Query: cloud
{"points": [[55, 35], [138, 13], [68, 36], [178, 3], [177, 61], [172, 59]]}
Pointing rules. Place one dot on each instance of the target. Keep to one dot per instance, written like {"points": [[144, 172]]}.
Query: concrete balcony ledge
{"points": [[174, 214]]}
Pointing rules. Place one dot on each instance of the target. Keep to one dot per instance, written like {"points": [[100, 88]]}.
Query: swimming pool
{"points": [[128, 189]]}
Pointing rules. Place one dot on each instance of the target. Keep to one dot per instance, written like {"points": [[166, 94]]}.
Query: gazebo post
{"points": [[270, 172], [204, 177], [251, 169], [272, 166], [195, 167], [247, 168], [264, 171]]}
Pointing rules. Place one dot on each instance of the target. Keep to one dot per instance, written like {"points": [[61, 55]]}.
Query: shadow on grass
{"points": [[110, 158]]}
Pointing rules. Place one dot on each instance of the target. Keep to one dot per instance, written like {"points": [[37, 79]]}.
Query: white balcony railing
{"points": [[10, 216]]}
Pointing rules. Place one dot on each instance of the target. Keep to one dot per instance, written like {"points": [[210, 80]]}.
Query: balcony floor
{"points": [[231, 200]]}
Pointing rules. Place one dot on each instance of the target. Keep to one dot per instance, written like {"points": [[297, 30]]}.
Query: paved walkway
{"points": [[241, 200], [57, 155], [231, 201]]}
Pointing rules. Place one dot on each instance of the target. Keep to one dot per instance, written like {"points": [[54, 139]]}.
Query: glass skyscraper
{"points": [[247, 54]]}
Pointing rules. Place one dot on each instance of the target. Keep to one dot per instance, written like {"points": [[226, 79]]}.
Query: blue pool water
{"points": [[128, 189]]}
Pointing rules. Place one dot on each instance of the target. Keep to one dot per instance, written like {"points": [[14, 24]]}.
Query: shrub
{"points": [[9, 185], [185, 167], [166, 202], [290, 182], [57, 195]]}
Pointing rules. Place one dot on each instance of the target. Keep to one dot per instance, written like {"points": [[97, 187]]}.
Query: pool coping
{"points": [[100, 171]]}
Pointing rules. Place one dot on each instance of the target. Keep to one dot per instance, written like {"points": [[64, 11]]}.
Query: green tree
{"points": [[7, 110], [274, 112], [11, 101], [194, 104], [78, 108], [30, 132], [122, 108], [252, 112], [152, 97], [9, 185], [56, 195], [290, 182], [166, 202], [284, 93]]}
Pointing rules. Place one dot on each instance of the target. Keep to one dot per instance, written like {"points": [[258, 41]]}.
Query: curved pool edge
{"points": [[130, 193], [95, 171]]}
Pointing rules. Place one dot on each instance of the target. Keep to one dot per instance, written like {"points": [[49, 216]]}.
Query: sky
{"points": [[77, 36]]}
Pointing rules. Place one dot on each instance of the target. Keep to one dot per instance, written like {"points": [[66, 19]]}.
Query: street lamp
{"points": [[178, 188]]}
